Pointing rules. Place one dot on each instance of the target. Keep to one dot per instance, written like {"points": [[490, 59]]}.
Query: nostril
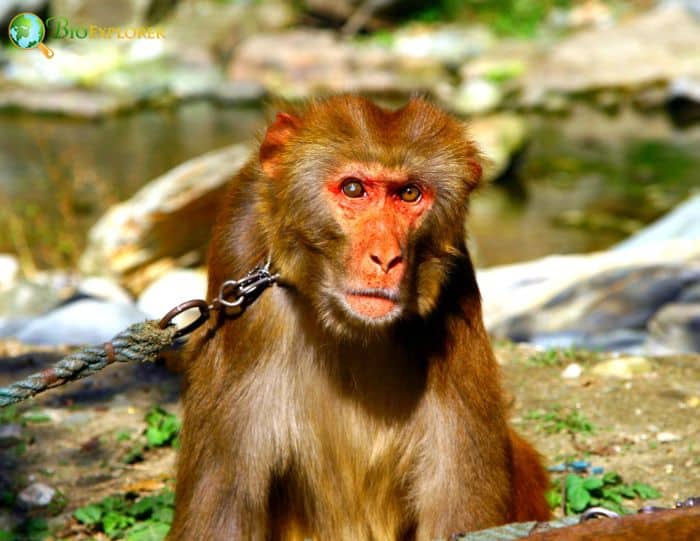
{"points": [[376, 259], [394, 262]]}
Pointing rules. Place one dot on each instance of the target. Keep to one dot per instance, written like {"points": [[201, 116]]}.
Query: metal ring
{"points": [[231, 284], [597, 512], [201, 305]]}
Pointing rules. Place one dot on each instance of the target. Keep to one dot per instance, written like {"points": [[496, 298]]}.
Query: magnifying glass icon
{"points": [[27, 31]]}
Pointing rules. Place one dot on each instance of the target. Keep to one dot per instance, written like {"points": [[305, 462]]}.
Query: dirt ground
{"points": [[75, 438]]}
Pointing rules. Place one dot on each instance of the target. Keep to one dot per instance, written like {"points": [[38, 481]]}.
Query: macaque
{"points": [[361, 399]]}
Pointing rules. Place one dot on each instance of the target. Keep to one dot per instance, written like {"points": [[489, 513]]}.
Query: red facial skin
{"points": [[378, 225]]}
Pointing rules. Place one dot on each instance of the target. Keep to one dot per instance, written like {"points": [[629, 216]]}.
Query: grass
{"points": [[557, 419]]}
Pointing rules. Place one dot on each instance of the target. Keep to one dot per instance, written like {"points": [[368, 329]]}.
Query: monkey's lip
{"points": [[372, 302]]}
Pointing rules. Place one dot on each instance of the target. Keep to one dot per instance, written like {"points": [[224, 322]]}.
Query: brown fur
{"points": [[301, 421]]}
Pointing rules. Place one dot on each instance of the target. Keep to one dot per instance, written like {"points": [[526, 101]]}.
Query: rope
{"points": [[518, 530], [140, 342]]}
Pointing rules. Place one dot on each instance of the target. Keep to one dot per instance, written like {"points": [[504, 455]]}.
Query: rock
{"points": [[448, 44], [475, 96], [86, 12], [170, 290], [623, 367], [572, 371], [500, 137], [36, 495], [681, 223], [239, 93], [78, 418], [100, 287], [28, 298], [9, 271], [70, 102], [677, 327], [169, 218], [10, 435], [597, 301], [656, 46], [86, 321], [220, 26], [683, 102], [690, 294], [301, 63], [667, 437]]}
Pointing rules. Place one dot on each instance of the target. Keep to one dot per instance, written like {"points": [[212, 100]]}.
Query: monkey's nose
{"points": [[387, 262]]}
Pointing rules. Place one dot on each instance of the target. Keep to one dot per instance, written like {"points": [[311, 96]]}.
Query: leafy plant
{"points": [[162, 430], [556, 420], [120, 517], [608, 490], [548, 357], [32, 529]]}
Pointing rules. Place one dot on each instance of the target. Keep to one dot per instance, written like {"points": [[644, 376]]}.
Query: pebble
{"points": [[572, 371], [667, 437], [36, 495], [623, 367], [10, 434]]}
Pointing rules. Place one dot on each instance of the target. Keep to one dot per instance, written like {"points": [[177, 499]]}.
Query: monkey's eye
{"points": [[352, 187], [410, 194]]}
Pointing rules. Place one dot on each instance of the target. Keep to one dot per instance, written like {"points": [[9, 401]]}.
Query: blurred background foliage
{"points": [[593, 128]]}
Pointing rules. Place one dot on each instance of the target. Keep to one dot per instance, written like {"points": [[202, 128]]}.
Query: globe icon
{"points": [[27, 31]]}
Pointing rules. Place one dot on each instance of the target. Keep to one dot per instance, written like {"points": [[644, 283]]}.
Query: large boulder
{"points": [[165, 224], [606, 300], [302, 63], [653, 48]]}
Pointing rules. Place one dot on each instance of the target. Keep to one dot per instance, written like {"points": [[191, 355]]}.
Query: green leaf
{"points": [[628, 492], [577, 497], [148, 531], [164, 514], [143, 508], [592, 483], [612, 478], [645, 492], [114, 523], [166, 498], [90, 514], [611, 495], [7, 536], [135, 454], [553, 496]]}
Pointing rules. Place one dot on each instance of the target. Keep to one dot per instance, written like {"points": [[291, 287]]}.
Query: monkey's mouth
{"points": [[372, 302]]}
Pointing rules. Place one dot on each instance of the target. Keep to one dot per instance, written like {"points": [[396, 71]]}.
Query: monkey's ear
{"points": [[476, 171], [276, 138]]}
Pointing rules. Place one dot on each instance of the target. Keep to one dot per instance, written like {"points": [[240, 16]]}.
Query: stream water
{"points": [[585, 181]]}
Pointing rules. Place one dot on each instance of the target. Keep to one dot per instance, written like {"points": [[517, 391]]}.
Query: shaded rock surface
{"points": [[298, 63], [85, 321], [171, 289], [169, 219], [599, 301], [653, 48]]}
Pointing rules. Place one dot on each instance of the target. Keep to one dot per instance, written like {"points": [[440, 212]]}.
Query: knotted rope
{"points": [[141, 342]]}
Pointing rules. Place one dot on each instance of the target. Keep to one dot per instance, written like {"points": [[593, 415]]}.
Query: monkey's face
{"points": [[378, 211], [368, 208]]}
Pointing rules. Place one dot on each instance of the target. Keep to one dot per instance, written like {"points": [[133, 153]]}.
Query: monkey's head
{"points": [[366, 207]]}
